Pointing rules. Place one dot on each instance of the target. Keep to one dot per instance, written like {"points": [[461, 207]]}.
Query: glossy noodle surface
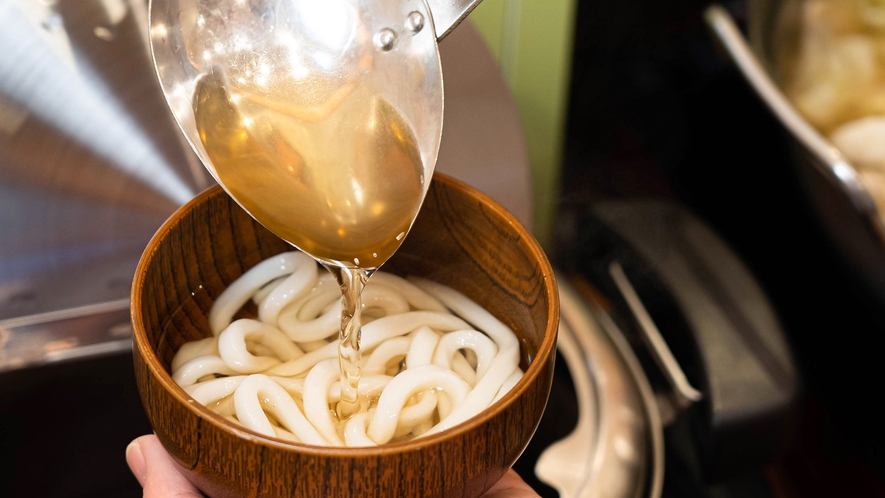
{"points": [[432, 357]]}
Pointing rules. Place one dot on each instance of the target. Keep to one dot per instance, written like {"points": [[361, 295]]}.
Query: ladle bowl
{"points": [[303, 59]]}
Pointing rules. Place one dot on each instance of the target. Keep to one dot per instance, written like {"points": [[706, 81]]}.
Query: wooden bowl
{"points": [[461, 238]]}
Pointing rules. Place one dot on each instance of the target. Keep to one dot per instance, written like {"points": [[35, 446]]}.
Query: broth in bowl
{"points": [[426, 366]]}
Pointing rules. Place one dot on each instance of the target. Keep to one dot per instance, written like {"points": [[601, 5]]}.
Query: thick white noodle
{"points": [[444, 407], [393, 326], [374, 334], [415, 295], [424, 341], [502, 366], [212, 391], [484, 348], [319, 302], [383, 424], [258, 349], [382, 300], [378, 361], [193, 370], [285, 435], [370, 386], [462, 306], [355, 430], [265, 290], [420, 429], [304, 363], [250, 409], [316, 399], [233, 350], [224, 407], [462, 367], [242, 289], [420, 412], [312, 346], [484, 392], [508, 384], [194, 349], [295, 286], [316, 318], [448, 367]]}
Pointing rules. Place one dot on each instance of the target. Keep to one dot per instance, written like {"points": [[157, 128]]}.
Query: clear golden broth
{"points": [[342, 180]]}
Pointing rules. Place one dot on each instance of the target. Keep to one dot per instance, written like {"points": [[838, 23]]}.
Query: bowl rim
{"points": [[545, 350]]}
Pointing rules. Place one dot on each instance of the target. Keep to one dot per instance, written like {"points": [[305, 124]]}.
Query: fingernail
{"points": [[135, 459]]}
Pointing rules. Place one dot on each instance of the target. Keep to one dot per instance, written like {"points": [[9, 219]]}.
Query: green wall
{"points": [[532, 40]]}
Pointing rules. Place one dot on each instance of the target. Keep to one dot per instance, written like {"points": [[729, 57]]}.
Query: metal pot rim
{"points": [[617, 447]]}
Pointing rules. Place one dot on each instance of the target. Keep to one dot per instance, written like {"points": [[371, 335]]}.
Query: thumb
{"points": [[511, 486], [156, 471]]}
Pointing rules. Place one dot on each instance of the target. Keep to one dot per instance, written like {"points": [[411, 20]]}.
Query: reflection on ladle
{"points": [[343, 187]]}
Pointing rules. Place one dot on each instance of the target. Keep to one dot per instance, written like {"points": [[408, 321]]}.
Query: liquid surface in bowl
{"points": [[435, 358], [341, 179]]}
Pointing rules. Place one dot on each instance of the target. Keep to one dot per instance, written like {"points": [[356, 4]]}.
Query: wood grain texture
{"points": [[461, 239]]}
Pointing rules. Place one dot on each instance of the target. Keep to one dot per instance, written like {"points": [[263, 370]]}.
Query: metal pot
{"points": [[840, 201], [617, 447], [704, 358]]}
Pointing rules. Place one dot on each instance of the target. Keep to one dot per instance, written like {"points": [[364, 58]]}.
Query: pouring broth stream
{"points": [[341, 179]]}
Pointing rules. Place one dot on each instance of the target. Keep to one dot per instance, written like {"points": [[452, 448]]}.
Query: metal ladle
{"points": [[336, 37], [388, 49]]}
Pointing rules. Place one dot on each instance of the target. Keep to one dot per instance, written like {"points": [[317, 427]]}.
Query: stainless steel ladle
{"points": [[385, 49], [391, 47], [388, 47]]}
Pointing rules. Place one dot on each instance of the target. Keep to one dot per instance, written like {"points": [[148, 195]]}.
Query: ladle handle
{"points": [[448, 14]]}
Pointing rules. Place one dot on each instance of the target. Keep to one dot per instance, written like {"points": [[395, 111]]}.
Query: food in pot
{"points": [[833, 70]]}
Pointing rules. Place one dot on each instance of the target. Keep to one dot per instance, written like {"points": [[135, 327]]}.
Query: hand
{"points": [[156, 471], [511, 486], [161, 477]]}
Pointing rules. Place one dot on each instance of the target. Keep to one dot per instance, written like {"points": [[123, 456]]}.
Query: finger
{"points": [[135, 459], [511, 486], [155, 470]]}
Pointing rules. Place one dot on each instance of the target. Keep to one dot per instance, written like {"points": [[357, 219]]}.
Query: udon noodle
{"points": [[432, 358]]}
